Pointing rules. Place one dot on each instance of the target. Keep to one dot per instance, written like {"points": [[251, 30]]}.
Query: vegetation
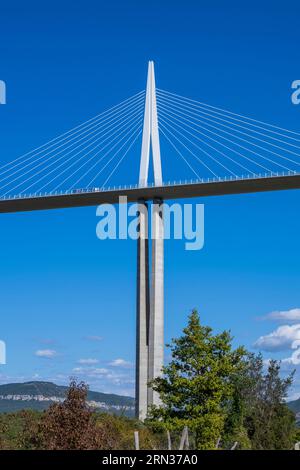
{"points": [[221, 394], [196, 383], [72, 425], [257, 415]]}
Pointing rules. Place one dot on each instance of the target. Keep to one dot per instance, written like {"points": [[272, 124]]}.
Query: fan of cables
{"points": [[215, 143], [86, 157]]}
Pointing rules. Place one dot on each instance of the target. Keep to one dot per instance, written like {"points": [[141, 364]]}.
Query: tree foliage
{"points": [[258, 406], [219, 392], [71, 424], [197, 382]]}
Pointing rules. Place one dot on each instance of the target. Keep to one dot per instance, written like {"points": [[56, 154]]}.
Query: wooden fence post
{"points": [[136, 440], [169, 440], [184, 437]]}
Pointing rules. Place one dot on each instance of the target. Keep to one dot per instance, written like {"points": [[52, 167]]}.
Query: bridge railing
{"points": [[137, 186]]}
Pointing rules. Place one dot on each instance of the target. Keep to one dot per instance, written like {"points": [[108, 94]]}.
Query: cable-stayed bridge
{"points": [[215, 152]]}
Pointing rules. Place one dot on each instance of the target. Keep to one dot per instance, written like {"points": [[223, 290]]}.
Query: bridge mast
{"points": [[150, 303]]}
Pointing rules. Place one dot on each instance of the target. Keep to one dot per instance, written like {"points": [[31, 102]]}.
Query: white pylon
{"points": [[150, 133], [150, 302]]}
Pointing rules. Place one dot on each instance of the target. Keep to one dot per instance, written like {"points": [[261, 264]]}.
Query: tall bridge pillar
{"points": [[150, 307], [150, 301], [143, 315], [156, 326]]}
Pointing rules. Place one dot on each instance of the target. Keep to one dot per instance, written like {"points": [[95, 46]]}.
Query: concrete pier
{"points": [[156, 332], [143, 312]]}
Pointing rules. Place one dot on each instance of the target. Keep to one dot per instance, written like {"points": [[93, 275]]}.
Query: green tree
{"points": [[196, 383], [270, 422], [257, 416], [246, 383]]}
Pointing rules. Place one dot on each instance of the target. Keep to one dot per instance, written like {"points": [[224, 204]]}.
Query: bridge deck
{"points": [[176, 191]]}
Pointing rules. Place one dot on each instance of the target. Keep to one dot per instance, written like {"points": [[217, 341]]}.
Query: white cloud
{"points": [[88, 371], [100, 371], [293, 395], [47, 353], [120, 363], [88, 361], [285, 315], [284, 337], [94, 338], [294, 359], [105, 375], [45, 341]]}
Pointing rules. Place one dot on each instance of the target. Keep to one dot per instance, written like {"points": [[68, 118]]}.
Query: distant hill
{"points": [[295, 407], [39, 396]]}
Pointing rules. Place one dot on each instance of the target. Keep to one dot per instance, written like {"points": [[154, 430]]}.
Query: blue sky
{"points": [[62, 289]]}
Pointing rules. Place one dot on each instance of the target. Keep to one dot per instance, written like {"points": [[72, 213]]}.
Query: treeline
{"points": [[222, 395], [72, 425]]}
